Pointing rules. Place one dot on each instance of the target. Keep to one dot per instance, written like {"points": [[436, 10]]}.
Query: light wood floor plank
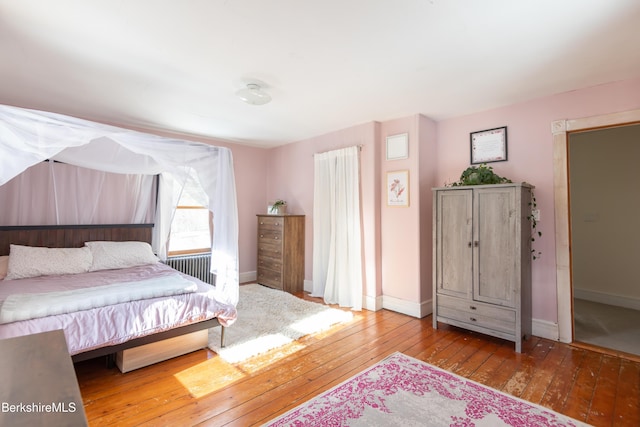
{"points": [[604, 392], [627, 403], [545, 371]]}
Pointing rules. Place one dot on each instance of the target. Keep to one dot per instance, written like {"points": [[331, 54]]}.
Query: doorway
{"points": [[604, 194], [561, 129]]}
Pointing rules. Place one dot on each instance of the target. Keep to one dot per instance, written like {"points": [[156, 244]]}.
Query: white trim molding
{"points": [[308, 286], [372, 303], [248, 276], [544, 329], [560, 130], [409, 308], [609, 299]]}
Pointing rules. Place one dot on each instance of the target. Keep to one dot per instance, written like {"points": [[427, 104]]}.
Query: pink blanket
{"points": [[114, 324]]}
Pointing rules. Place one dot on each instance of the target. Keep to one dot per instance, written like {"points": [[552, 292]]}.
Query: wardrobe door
{"points": [[496, 249], [454, 234]]}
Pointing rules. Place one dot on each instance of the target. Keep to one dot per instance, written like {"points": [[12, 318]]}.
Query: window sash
{"points": [[192, 250]]}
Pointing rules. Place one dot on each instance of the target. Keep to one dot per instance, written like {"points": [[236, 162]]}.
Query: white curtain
{"points": [[52, 193], [337, 233], [28, 137]]}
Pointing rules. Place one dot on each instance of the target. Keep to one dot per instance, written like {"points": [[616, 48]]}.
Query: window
{"points": [[192, 223]]}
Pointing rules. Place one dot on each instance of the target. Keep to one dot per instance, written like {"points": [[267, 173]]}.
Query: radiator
{"points": [[194, 265]]}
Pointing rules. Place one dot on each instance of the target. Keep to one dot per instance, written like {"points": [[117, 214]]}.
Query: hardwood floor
{"points": [[201, 389]]}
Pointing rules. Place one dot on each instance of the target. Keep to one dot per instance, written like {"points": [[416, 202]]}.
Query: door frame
{"points": [[560, 130]]}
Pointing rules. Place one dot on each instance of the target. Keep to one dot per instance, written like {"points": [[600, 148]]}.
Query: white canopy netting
{"points": [[28, 137]]}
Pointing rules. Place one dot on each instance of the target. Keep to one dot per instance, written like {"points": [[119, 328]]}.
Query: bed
{"points": [[174, 305]]}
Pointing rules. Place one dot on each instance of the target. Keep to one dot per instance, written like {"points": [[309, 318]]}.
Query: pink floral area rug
{"points": [[403, 391]]}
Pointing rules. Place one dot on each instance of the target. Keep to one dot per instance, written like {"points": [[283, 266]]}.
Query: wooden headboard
{"points": [[70, 236]]}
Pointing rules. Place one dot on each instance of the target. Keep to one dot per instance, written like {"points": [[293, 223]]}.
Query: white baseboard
{"points": [[545, 329], [248, 276], [307, 286], [605, 298], [372, 303], [409, 308]]}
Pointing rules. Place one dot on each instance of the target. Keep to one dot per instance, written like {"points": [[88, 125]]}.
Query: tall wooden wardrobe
{"points": [[482, 259]]}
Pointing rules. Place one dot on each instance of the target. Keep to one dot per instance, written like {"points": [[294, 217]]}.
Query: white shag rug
{"points": [[268, 319]]}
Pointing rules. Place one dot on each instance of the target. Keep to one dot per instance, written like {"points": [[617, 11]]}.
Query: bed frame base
{"points": [[161, 336], [148, 354]]}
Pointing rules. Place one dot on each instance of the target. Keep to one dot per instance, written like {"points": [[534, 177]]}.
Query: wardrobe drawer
{"points": [[480, 314], [473, 307], [477, 320]]}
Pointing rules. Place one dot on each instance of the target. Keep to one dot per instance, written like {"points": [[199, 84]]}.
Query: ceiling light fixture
{"points": [[254, 95]]}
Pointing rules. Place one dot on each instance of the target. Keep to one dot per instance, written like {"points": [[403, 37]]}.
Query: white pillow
{"points": [[110, 255], [4, 264], [28, 261]]}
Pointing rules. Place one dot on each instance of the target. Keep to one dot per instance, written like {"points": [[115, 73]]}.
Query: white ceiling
{"points": [[328, 64]]}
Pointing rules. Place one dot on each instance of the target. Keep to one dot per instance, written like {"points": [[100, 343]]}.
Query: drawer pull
{"points": [[261, 223], [469, 244], [472, 307], [276, 237], [473, 319], [261, 236], [277, 223]]}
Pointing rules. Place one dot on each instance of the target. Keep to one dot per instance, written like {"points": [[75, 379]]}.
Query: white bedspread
{"points": [[32, 306]]}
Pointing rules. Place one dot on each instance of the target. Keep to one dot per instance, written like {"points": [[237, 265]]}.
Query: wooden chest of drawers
{"points": [[281, 251]]}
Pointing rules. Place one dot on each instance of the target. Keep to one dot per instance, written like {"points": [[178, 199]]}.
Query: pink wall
{"points": [[400, 238], [396, 256], [406, 232], [290, 177], [250, 167], [398, 259], [427, 130], [530, 159]]}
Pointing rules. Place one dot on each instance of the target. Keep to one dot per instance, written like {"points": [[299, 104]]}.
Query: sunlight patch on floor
{"points": [[215, 373], [309, 324], [209, 376], [262, 361]]}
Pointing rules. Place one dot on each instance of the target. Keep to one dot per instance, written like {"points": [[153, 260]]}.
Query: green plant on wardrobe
{"points": [[535, 233], [480, 175], [484, 175]]}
